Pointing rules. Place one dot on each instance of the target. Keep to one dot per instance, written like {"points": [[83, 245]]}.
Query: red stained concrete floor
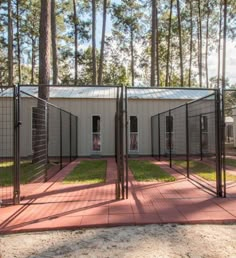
{"points": [[54, 205]]}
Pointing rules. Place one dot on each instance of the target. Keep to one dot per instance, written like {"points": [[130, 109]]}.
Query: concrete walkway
{"points": [[54, 205]]}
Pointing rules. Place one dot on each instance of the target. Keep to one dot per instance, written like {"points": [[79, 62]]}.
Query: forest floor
{"points": [[168, 240]]}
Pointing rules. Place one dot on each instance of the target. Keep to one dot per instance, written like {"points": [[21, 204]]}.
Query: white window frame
{"points": [[134, 151], [92, 133]]}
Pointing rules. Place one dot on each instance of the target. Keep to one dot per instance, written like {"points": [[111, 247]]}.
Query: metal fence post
{"points": [[159, 138], [152, 135], [218, 144], [47, 139], [222, 128], [126, 143], [16, 147], [70, 138], [170, 138], [60, 139], [187, 141], [200, 130], [122, 142], [76, 126], [118, 142]]}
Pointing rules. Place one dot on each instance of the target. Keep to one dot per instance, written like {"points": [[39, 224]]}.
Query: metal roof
{"points": [[111, 93]]}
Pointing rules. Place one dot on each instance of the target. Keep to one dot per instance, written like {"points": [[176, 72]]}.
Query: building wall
{"points": [[144, 110], [84, 109]]}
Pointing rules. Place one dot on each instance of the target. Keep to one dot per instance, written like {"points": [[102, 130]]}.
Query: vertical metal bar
{"points": [[122, 142], [118, 143], [200, 130], [187, 141], [16, 103], [70, 138], [60, 139], [159, 137], [76, 126], [46, 143], [218, 144], [170, 139], [126, 143], [152, 135], [222, 127]]}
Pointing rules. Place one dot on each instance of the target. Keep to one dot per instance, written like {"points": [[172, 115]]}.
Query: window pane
{"points": [[96, 142], [133, 124], [133, 141], [204, 123], [169, 124], [96, 124]]}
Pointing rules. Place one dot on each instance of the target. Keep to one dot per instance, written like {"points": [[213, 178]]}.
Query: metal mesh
{"points": [[178, 137], [7, 162], [74, 138], [54, 131], [46, 139], [65, 137], [186, 137], [229, 140]]}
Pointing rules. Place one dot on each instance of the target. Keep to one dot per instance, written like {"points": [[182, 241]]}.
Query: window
{"points": [[169, 132], [169, 124], [96, 133], [204, 123], [133, 133], [204, 129]]}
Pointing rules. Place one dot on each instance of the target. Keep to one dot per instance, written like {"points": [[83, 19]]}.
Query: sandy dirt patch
{"points": [[134, 241]]}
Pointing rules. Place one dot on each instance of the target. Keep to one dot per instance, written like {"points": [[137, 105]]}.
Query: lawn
{"points": [[88, 172], [230, 162], [146, 171], [205, 171], [28, 172]]}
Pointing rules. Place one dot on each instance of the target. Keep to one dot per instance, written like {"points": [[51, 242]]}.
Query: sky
{"points": [[230, 62]]}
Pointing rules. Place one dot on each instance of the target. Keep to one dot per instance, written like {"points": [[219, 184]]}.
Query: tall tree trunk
{"points": [[44, 48], [75, 43], [219, 47], [191, 44], [18, 40], [200, 42], [157, 51], [132, 56], [153, 45], [180, 45], [94, 42], [40, 143], [207, 37], [54, 44], [100, 73], [33, 57], [10, 45], [168, 47]]}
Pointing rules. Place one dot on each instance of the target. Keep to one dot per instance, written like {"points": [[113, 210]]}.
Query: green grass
{"points": [[203, 170], [27, 172], [230, 162], [146, 171], [88, 172]]}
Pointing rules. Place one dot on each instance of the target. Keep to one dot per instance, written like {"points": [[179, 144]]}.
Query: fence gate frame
{"points": [[121, 143]]}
